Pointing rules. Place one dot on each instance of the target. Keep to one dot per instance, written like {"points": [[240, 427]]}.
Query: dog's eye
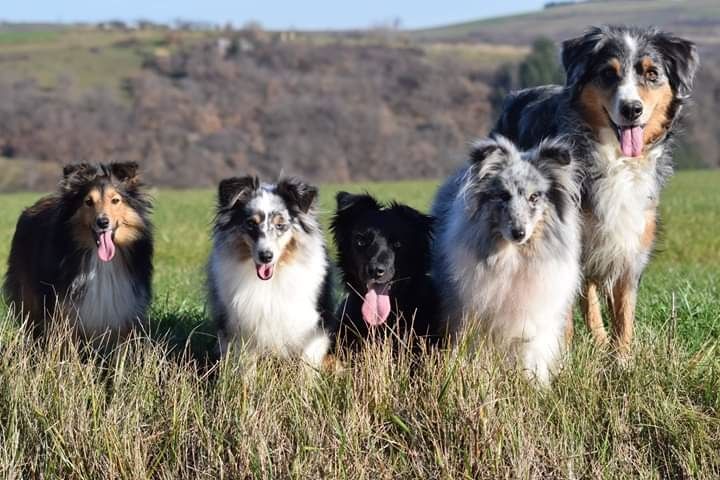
{"points": [[89, 202], [361, 242], [534, 197], [609, 75], [651, 75], [281, 227], [250, 222], [115, 200], [397, 244]]}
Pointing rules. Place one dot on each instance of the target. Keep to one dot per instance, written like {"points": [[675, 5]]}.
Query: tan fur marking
{"points": [[648, 236], [592, 313], [278, 219], [659, 100], [569, 328], [288, 252], [84, 218], [593, 103], [623, 312], [128, 224], [616, 65], [646, 63]]}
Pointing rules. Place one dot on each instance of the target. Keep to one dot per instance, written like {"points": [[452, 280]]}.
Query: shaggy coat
{"points": [[384, 256], [268, 274], [624, 92], [507, 250], [85, 252]]}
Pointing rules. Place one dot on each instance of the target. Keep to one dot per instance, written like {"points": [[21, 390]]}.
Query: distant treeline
{"points": [[244, 103]]}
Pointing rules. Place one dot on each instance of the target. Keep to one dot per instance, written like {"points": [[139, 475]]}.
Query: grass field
{"points": [[149, 412]]}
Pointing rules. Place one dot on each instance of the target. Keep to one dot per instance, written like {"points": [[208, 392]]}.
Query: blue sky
{"points": [[309, 14]]}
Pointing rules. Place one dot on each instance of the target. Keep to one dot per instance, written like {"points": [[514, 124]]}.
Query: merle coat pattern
{"points": [[620, 106]]}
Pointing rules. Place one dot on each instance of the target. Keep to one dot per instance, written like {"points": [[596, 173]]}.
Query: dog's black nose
{"points": [[632, 110], [517, 233], [266, 256], [377, 271], [102, 222]]}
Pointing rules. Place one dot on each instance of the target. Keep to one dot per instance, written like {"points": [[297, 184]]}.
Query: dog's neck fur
{"points": [[103, 295]]}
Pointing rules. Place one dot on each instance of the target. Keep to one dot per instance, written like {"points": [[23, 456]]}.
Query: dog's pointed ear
{"points": [[555, 152], [486, 149], [682, 61], [232, 190], [345, 201], [298, 193], [124, 171], [421, 220], [76, 173], [577, 51], [73, 168]]}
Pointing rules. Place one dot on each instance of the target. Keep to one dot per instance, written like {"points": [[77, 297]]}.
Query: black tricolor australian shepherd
{"points": [[624, 92], [384, 255], [85, 252], [268, 274]]}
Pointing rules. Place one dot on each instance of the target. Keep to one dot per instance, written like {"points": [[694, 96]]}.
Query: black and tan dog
{"points": [[85, 253], [624, 92]]}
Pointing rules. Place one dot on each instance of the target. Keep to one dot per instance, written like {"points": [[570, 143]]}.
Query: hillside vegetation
{"points": [[195, 106]]}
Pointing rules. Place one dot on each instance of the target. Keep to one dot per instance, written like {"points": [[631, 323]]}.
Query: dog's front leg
{"points": [[315, 349], [623, 311], [593, 314]]}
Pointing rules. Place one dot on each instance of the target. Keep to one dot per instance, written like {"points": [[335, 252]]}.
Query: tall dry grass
{"points": [[146, 409]]}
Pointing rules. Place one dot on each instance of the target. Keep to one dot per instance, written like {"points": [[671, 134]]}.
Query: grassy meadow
{"points": [[153, 410]]}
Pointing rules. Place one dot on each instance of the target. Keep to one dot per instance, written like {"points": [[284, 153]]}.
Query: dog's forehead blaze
{"points": [[266, 204]]}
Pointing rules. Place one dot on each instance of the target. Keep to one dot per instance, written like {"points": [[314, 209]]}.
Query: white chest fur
{"points": [[104, 298], [279, 315], [622, 190], [514, 298]]}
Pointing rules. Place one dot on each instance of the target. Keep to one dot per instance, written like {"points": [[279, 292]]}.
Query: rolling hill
{"points": [[698, 20]]}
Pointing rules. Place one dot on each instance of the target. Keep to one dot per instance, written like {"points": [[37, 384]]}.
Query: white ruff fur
{"points": [[624, 189], [278, 316], [520, 303], [103, 298]]}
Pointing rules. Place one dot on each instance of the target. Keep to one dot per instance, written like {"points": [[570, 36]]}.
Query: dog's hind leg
{"points": [[623, 312], [593, 314]]}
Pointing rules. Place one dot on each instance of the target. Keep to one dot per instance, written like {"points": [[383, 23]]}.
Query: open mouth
{"points": [[264, 271], [376, 304], [630, 137], [105, 242]]}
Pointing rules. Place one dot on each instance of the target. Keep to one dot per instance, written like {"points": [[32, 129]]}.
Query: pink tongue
{"points": [[264, 271], [106, 249], [631, 141], [376, 306]]}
